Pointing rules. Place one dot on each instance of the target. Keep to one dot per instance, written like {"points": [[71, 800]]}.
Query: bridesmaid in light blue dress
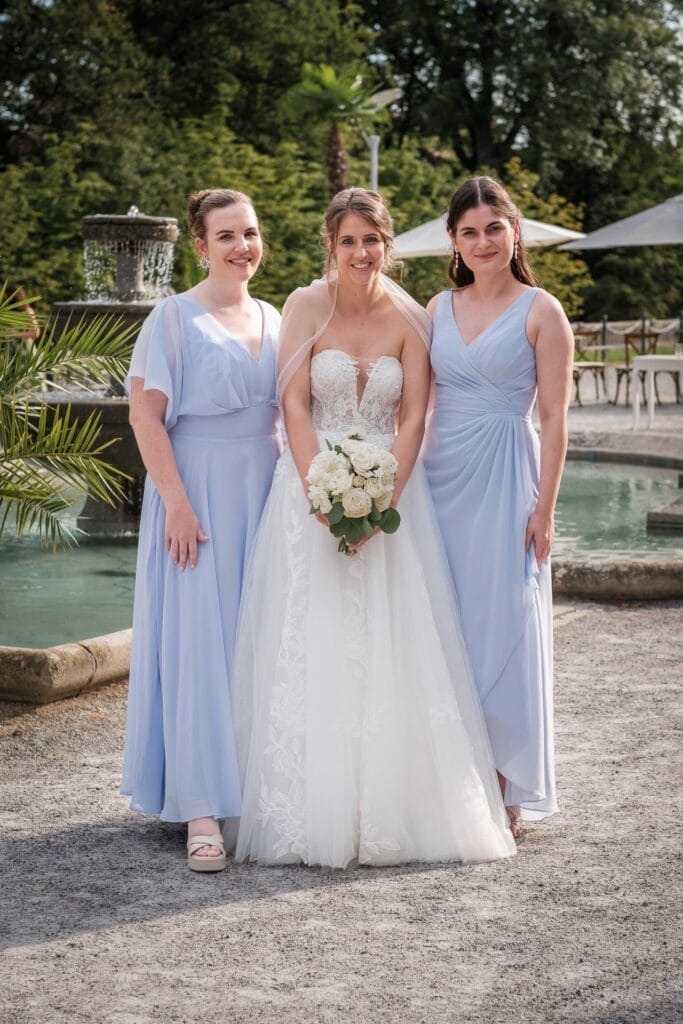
{"points": [[498, 342], [203, 408]]}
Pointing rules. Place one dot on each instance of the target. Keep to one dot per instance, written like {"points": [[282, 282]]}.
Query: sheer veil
{"points": [[308, 312]]}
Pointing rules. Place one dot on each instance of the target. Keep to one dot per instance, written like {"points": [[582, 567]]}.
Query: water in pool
{"points": [[50, 598], [602, 512]]}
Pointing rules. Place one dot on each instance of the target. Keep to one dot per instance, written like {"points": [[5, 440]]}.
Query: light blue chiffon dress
{"points": [[180, 760], [482, 460]]}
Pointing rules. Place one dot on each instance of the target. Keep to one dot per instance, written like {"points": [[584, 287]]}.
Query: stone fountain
{"points": [[128, 265]]}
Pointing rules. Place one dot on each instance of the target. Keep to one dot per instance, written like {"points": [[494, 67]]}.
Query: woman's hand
{"points": [[540, 529], [352, 547], [183, 532], [364, 540]]}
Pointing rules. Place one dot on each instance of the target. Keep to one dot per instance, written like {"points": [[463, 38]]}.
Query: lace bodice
{"points": [[335, 404]]}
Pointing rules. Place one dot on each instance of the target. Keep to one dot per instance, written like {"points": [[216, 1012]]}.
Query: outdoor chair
{"points": [[588, 357], [640, 338]]}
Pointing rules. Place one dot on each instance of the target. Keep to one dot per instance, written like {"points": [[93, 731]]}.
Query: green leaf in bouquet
{"points": [[337, 513], [312, 510], [339, 529], [329, 446], [375, 516], [355, 531], [368, 528], [390, 521]]}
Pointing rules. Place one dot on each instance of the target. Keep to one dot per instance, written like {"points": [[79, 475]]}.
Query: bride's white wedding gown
{"points": [[359, 733]]}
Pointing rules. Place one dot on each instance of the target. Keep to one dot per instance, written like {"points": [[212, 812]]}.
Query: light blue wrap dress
{"points": [[180, 760], [482, 460]]}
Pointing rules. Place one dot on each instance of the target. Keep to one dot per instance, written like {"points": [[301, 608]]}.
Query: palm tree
{"points": [[335, 101], [46, 454]]}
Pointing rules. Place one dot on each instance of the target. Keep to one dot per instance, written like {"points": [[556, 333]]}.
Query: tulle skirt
{"points": [[358, 729]]}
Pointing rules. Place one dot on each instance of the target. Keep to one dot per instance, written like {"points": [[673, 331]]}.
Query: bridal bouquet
{"points": [[352, 484]]}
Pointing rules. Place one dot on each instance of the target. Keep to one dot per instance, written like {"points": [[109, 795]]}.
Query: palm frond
{"points": [[36, 506], [41, 459], [84, 354]]}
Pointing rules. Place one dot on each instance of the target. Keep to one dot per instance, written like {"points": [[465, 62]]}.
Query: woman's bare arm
{"points": [[413, 409], [553, 340], [147, 412]]}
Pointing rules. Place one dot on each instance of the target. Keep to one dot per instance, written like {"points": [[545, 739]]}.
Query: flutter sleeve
{"points": [[157, 356]]}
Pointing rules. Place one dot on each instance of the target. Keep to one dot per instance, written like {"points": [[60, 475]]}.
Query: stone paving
{"points": [[101, 923]]}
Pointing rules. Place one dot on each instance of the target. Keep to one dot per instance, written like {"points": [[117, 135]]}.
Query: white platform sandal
{"points": [[197, 863]]}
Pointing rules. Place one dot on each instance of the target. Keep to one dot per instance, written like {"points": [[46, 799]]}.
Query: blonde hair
{"points": [[369, 205], [199, 204]]}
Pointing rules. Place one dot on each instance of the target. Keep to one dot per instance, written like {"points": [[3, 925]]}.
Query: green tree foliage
{"points": [[63, 63], [552, 81], [42, 200], [256, 48]]}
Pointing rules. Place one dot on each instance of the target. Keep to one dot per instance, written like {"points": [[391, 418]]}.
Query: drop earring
{"points": [[514, 251], [204, 262], [456, 256]]}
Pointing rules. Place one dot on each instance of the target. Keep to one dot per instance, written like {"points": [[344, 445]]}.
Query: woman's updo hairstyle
{"points": [[367, 204], [201, 203], [478, 192]]}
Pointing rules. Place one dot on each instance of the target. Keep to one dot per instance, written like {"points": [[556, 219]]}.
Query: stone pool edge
{"points": [[43, 675]]}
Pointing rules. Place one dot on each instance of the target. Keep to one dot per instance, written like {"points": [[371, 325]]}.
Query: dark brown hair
{"points": [[477, 192], [200, 203], [367, 204]]}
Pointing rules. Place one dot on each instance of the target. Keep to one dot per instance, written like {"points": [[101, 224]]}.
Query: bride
{"points": [[358, 730]]}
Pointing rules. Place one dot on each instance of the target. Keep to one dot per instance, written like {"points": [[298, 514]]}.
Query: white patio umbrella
{"points": [[431, 239], [658, 225]]}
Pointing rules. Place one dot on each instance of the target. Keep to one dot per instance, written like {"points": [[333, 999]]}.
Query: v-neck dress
{"points": [[482, 460], [180, 759]]}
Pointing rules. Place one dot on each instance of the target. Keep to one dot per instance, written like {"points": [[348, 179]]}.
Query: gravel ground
{"points": [[103, 922]]}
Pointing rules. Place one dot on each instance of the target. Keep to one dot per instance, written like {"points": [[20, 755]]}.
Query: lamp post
{"points": [[378, 101]]}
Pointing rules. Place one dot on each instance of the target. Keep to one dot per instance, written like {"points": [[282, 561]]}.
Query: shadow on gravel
{"points": [[83, 879]]}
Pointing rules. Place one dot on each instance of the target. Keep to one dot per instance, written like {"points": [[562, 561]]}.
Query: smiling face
{"points": [[485, 239], [359, 248], [232, 241]]}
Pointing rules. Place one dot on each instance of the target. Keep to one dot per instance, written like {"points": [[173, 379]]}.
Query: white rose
{"points": [[319, 499], [387, 478], [327, 462], [384, 501], [339, 482], [363, 457], [374, 487], [348, 443], [386, 461], [358, 481], [356, 503]]}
